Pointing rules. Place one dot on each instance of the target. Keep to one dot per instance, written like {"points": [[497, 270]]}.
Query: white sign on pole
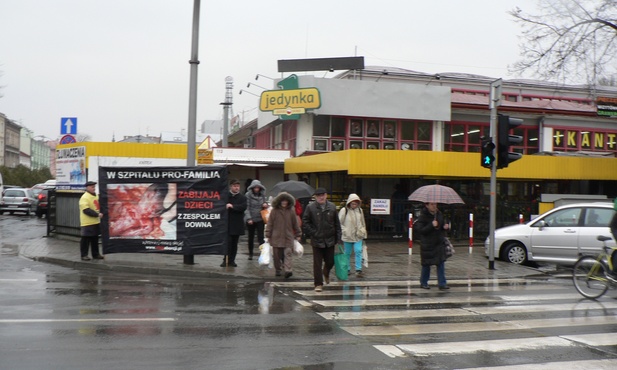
{"points": [[380, 206]]}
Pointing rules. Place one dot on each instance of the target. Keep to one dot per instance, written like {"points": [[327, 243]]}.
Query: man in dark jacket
{"points": [[236, 206], [431, 226], [321, 224]]}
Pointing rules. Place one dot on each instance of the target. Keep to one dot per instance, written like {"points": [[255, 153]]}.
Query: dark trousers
{"points": [[321, 256], [255, 228], [89, 242], [232, 248]]}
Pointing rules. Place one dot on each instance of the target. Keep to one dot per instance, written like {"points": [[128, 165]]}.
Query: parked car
{"points": [[41, 193], [559, 235], [18, 200]]}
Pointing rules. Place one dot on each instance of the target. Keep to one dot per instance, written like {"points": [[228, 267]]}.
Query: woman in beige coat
{"points": [[281, 230], [354, 230]]}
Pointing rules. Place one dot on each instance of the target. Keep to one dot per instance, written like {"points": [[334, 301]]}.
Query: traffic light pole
{"points": [[494, 100]]}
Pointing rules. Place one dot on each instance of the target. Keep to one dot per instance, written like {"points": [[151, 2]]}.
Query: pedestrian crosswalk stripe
{"points": [[364, 290], [518, 313], [417, 300], [465, 327], [392, 283], [467, 311], [497, 345], [600, 339]]}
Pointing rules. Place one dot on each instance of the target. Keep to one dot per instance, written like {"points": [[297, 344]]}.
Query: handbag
{"points": [[364, 255], [265, 213], [341, 263], [448, 247]]}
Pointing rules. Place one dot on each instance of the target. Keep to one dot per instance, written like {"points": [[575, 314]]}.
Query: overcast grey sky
{"points": [[121, 66]]}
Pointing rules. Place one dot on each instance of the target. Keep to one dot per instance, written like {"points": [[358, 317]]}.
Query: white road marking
{"points": [[492, 346], [414, 300], [467, 311], [465, 327], [393, 283], [600, 339], [18, 280], [499, 345], [368, 291], [28, 321]]}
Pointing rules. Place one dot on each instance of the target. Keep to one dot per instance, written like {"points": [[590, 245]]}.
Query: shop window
{"points": [[356, 145], [338, 127], [463, 137], [355, 128], [424, 131], [320, 144], [389, 146], [457, 134], [337, 145], [372, 128], [321, 126], [408, 130], [568, 139], [372, 145], [389, 129]]}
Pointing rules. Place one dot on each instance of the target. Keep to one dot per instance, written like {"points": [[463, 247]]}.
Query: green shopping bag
{"points": [[341, 263]]}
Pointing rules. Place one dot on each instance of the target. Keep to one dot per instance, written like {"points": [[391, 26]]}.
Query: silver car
{"points": [[559, 235], [18, 200]]}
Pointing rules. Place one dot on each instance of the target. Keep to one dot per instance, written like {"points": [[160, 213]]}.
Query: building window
{"points": [[416, 134], [373, 128], [320, 145], [340, 133], [339, 127], [466, 137], [321, 126], [573, 140], [389, 129], [337, 145], [356, 128]]}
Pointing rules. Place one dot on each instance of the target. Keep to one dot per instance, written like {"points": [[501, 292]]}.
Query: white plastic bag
{"points": [[265, 258], [364, 255], [298, 249]]}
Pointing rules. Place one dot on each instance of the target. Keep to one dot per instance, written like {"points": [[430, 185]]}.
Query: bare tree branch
{"points": [[570, 40]]}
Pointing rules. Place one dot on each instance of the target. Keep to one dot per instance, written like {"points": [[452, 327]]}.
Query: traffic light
{"points": [[505, 140], [488, 156]]}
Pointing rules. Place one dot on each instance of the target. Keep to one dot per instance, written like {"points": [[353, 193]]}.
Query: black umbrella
{"points": [[299, 189]]}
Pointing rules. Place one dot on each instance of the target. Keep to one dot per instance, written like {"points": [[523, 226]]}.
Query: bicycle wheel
{"points": [[589, 277]]}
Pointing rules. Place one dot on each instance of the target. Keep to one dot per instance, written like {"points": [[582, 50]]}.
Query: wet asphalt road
{"points": [[53, 317], [58, 318]]}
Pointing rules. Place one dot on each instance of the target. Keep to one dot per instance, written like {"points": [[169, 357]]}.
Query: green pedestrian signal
{"points": [[488, 157]]}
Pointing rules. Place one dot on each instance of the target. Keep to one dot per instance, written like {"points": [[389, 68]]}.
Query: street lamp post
{"points": [[189, 259]]}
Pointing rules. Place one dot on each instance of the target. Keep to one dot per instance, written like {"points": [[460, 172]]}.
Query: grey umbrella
{"points": [[436, 194], [299, 189]]}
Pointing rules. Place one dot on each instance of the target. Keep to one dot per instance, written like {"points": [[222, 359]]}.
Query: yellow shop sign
{"points": [[285, 100]]}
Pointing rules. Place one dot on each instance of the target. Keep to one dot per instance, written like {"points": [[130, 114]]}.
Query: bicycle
{"points": [[593, 276]]}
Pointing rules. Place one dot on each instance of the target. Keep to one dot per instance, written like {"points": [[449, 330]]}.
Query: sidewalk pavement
{"points": [[388, 260]]}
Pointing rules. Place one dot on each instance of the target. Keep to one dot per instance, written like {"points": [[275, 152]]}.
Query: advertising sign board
{"points": [[164, 209]]}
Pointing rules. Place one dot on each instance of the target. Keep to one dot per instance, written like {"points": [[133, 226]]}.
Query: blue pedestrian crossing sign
{"points": [[68, 125]]}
